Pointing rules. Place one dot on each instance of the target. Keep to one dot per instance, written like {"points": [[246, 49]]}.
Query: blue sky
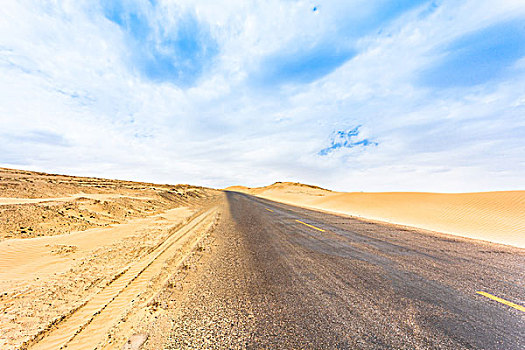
{"points": [[350, 95]]}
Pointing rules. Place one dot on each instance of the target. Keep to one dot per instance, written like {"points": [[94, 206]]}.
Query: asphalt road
{"points": [[282, 277]]}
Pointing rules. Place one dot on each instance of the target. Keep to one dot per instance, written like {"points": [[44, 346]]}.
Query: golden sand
{"points": [[492, 216]]}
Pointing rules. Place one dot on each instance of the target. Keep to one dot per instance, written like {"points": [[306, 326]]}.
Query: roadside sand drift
{"points": [[492, 216]]}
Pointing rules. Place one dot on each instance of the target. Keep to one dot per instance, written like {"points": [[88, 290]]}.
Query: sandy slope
{"points": [[492, 216], [79, 254]]}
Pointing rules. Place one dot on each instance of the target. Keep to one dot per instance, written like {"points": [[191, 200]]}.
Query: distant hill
{"points": [[237, 188], [282, 187]]}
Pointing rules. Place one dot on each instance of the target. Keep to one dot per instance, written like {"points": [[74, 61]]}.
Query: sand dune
{"points": [[493, 216]]}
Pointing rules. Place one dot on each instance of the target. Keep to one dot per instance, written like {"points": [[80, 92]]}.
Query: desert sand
{"points": [[91, 263], [492, 216], [69, 246]]}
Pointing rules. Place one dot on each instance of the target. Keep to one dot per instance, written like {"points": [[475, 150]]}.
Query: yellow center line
{"points": [[312, 226], [503, 301], [269, 209]]}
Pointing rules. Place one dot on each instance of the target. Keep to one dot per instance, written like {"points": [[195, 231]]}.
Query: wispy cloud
{"points": [[36, 137], [251, 92], [165, 47], [347, 139]]}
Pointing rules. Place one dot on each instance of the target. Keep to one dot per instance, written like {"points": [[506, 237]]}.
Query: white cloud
{"points": [[65, 72]]}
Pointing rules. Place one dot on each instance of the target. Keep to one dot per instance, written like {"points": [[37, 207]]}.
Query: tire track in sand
{"points": [[118, 295]]}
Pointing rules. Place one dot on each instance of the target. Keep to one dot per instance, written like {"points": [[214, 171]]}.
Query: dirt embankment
{"points": [[36, 204]]}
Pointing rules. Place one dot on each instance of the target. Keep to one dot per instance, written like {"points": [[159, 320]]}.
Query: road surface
{"points": [[283, 277]]}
